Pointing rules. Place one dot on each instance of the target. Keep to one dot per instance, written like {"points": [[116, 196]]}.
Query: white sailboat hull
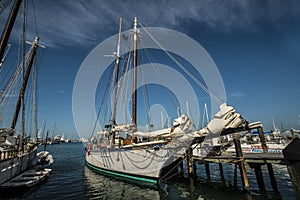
{"points": [[137, 162], [15, 166]]}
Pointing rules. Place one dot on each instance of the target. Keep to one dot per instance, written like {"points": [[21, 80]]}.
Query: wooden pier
{"points": [[242, 161], [252, 160], [255, 158]]}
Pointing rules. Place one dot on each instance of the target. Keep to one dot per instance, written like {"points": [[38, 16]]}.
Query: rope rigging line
{"points": [[4, 5], [146, 99], [155, 68], [126, 89], [124, 84], [9, 97], [7, 72], [34, 16], [11, 89], [195, 79], [100, 108], [110, 100]]}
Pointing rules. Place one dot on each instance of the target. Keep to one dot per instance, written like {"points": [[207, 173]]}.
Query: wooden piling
{"points": [[259, 176], [262, 139], [221, 171], [235, 176], [272, 177], [181, 166], [207, 170], [189, 160], [194, 168], [240, 157]]}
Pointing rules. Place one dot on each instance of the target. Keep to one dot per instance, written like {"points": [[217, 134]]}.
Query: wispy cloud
{"points": [[60, 91], [237, 94], [81, 22]]}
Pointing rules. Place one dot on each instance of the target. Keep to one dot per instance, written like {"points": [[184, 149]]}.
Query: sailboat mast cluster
{"points": [[117, 74], [122, 150], [18, 154]]}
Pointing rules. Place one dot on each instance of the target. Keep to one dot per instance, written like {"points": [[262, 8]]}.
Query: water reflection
{"points": [[71, 179], [98, 186]]}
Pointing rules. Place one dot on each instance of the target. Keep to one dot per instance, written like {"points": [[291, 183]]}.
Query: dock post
{"points": [[194, 168], [262, 139], [221, 171], [259, 176], [272, 177], [207, 170], [235, 176], [240, 157], [189, 161], [181, 166]]}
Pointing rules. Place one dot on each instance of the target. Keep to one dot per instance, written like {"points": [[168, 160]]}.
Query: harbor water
{"points": [[72, 179]]}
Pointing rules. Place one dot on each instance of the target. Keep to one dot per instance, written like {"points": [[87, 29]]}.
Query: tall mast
{"points": [[8, 27], [34, 100], [117, 74], [24, 85], [134, 95]]}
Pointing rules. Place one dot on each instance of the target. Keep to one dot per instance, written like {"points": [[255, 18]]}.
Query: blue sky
{"points": [[255, 45]]}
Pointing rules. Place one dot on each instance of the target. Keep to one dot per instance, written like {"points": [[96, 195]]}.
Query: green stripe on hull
{"points": [[146, 180]]}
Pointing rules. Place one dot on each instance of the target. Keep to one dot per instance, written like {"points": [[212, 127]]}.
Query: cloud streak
{"points": [[85, 23], [237, 94]]}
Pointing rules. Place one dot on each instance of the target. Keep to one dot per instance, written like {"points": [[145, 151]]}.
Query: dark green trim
{"points": [[127, 176]]}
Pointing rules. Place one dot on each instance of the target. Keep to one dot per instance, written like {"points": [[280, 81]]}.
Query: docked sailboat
{"points": [[121, 149], [18, 150]]}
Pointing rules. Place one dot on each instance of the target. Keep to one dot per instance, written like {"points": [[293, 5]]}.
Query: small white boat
{"points": [[27, 179], [62, 139], [257, 148]]}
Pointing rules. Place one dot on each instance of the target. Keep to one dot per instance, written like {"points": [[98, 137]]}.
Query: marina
{"points": [[146, 114], [79, 181]]}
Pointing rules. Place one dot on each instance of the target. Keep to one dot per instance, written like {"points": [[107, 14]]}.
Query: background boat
{"points": [[18, 146]]}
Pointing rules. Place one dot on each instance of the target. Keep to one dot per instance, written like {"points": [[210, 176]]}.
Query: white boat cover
{"points": [[124, 128], [180, 125], [153, 133], [224, 119]]}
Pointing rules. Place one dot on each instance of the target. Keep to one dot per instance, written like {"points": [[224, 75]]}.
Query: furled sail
{"points": [[226, 118]]}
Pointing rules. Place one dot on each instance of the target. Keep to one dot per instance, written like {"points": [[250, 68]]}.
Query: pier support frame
{"points": [[240, 157], [221, 171], [207, 170], [265, 150], [259, 176], [262, 139], [272, 177]]}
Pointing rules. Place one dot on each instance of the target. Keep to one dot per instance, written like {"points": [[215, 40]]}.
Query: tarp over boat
{"points": [[226, 118], [180, 125]]}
